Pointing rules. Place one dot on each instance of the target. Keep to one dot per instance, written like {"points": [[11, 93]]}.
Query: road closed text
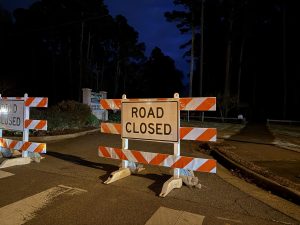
{"points": [[150, 120], [11, 114]]}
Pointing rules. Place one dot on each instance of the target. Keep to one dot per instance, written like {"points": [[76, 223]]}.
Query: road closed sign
{"points": [[150, 120], [12, 115]]}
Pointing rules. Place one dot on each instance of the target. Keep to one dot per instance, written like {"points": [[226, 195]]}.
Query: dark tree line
{"points": [[248, 54], [57, 47]]}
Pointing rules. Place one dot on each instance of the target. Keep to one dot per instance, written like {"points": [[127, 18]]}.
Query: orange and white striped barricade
{"points": [[157, 120], [14, 115]]}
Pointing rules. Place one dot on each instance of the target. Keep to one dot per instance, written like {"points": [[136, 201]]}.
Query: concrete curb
{"points": [[261, 181], [58, 137]]}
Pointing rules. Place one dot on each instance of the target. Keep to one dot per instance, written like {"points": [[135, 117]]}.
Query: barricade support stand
{"points": [[124, 171], [133, 159], [175, 181]]}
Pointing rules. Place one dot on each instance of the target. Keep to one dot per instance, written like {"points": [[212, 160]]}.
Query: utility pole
{"points": [[202, 54], [81, 62], [284, 60]]}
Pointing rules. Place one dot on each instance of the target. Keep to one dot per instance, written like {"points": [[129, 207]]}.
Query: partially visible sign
{"points": [[12, 115], [151, 120]]}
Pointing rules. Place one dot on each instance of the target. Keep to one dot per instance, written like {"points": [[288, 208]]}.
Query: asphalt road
{"points": [[67, 188]]}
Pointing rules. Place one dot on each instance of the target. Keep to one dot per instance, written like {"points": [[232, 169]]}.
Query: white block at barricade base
{"points": [[158, 120]]}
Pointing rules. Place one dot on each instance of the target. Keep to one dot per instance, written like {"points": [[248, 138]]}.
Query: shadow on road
{"points": [[83, 162]]}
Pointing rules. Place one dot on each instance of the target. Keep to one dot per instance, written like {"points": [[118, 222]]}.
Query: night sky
{"points": [[147, 18]]}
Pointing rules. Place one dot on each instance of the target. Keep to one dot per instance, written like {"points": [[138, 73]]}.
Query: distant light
{"points": [[3, 110]]}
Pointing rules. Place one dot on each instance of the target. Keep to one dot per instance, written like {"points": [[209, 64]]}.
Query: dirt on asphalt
{"points": [[253, 148]]}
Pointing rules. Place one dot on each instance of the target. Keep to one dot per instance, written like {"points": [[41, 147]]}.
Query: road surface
{"points": [[67, 188]]}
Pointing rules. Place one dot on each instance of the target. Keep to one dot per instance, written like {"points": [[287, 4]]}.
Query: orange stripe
{"points": [[184, 102], [139, 157], [118, 127], [43, 102], [28, 101], [206, 104], [1, 142], [182, 162], [40, 148], [207, 135], [207, 166], [41, 124], [184, 131], [25, 146], [104, 128], [120, 153], [27, 123], [13, 144], [117, 103], [104, 151], [104, 104], [158, 159]]}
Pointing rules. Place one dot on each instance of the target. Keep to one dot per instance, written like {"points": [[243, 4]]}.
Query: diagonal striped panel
{"points": [[36, 124], [198, 134], [189, 163], [111, 128], [36, 102], [186, 133], [23, 145], [192, 104], [113, 104], [198, 104]]}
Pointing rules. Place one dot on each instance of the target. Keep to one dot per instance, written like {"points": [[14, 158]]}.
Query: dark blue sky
{"points": [[147, 17]]}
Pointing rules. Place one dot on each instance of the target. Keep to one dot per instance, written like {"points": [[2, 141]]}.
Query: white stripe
{"points": [[26, 209], [195, 164], [214, 170], [113, 154], [148, 156], [214, 138], [129, 156], [169, 161], [4, 174], [213, 108], [112, 128], [194, 103], [195, 133]]}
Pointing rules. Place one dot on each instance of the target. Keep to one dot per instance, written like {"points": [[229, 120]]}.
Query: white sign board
{"points": [[150, 120], [12, 115]]}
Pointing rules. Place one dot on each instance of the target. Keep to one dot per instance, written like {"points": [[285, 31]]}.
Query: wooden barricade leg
{"points": [[175, 181], [124, 171]]}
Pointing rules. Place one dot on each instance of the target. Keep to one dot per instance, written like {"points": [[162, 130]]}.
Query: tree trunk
{"points": [[192, 63], [284, 61], [227, 74], [240, 70]]}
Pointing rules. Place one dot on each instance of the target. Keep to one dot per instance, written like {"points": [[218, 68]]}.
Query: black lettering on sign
{"points": [[143, 128], [167, 129], [151, 128], [142, 112], [151, 113], [128, 123], [158, 128], [18, 121], [159, 112], [15, 108], [134, 111], [134, 130]]}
